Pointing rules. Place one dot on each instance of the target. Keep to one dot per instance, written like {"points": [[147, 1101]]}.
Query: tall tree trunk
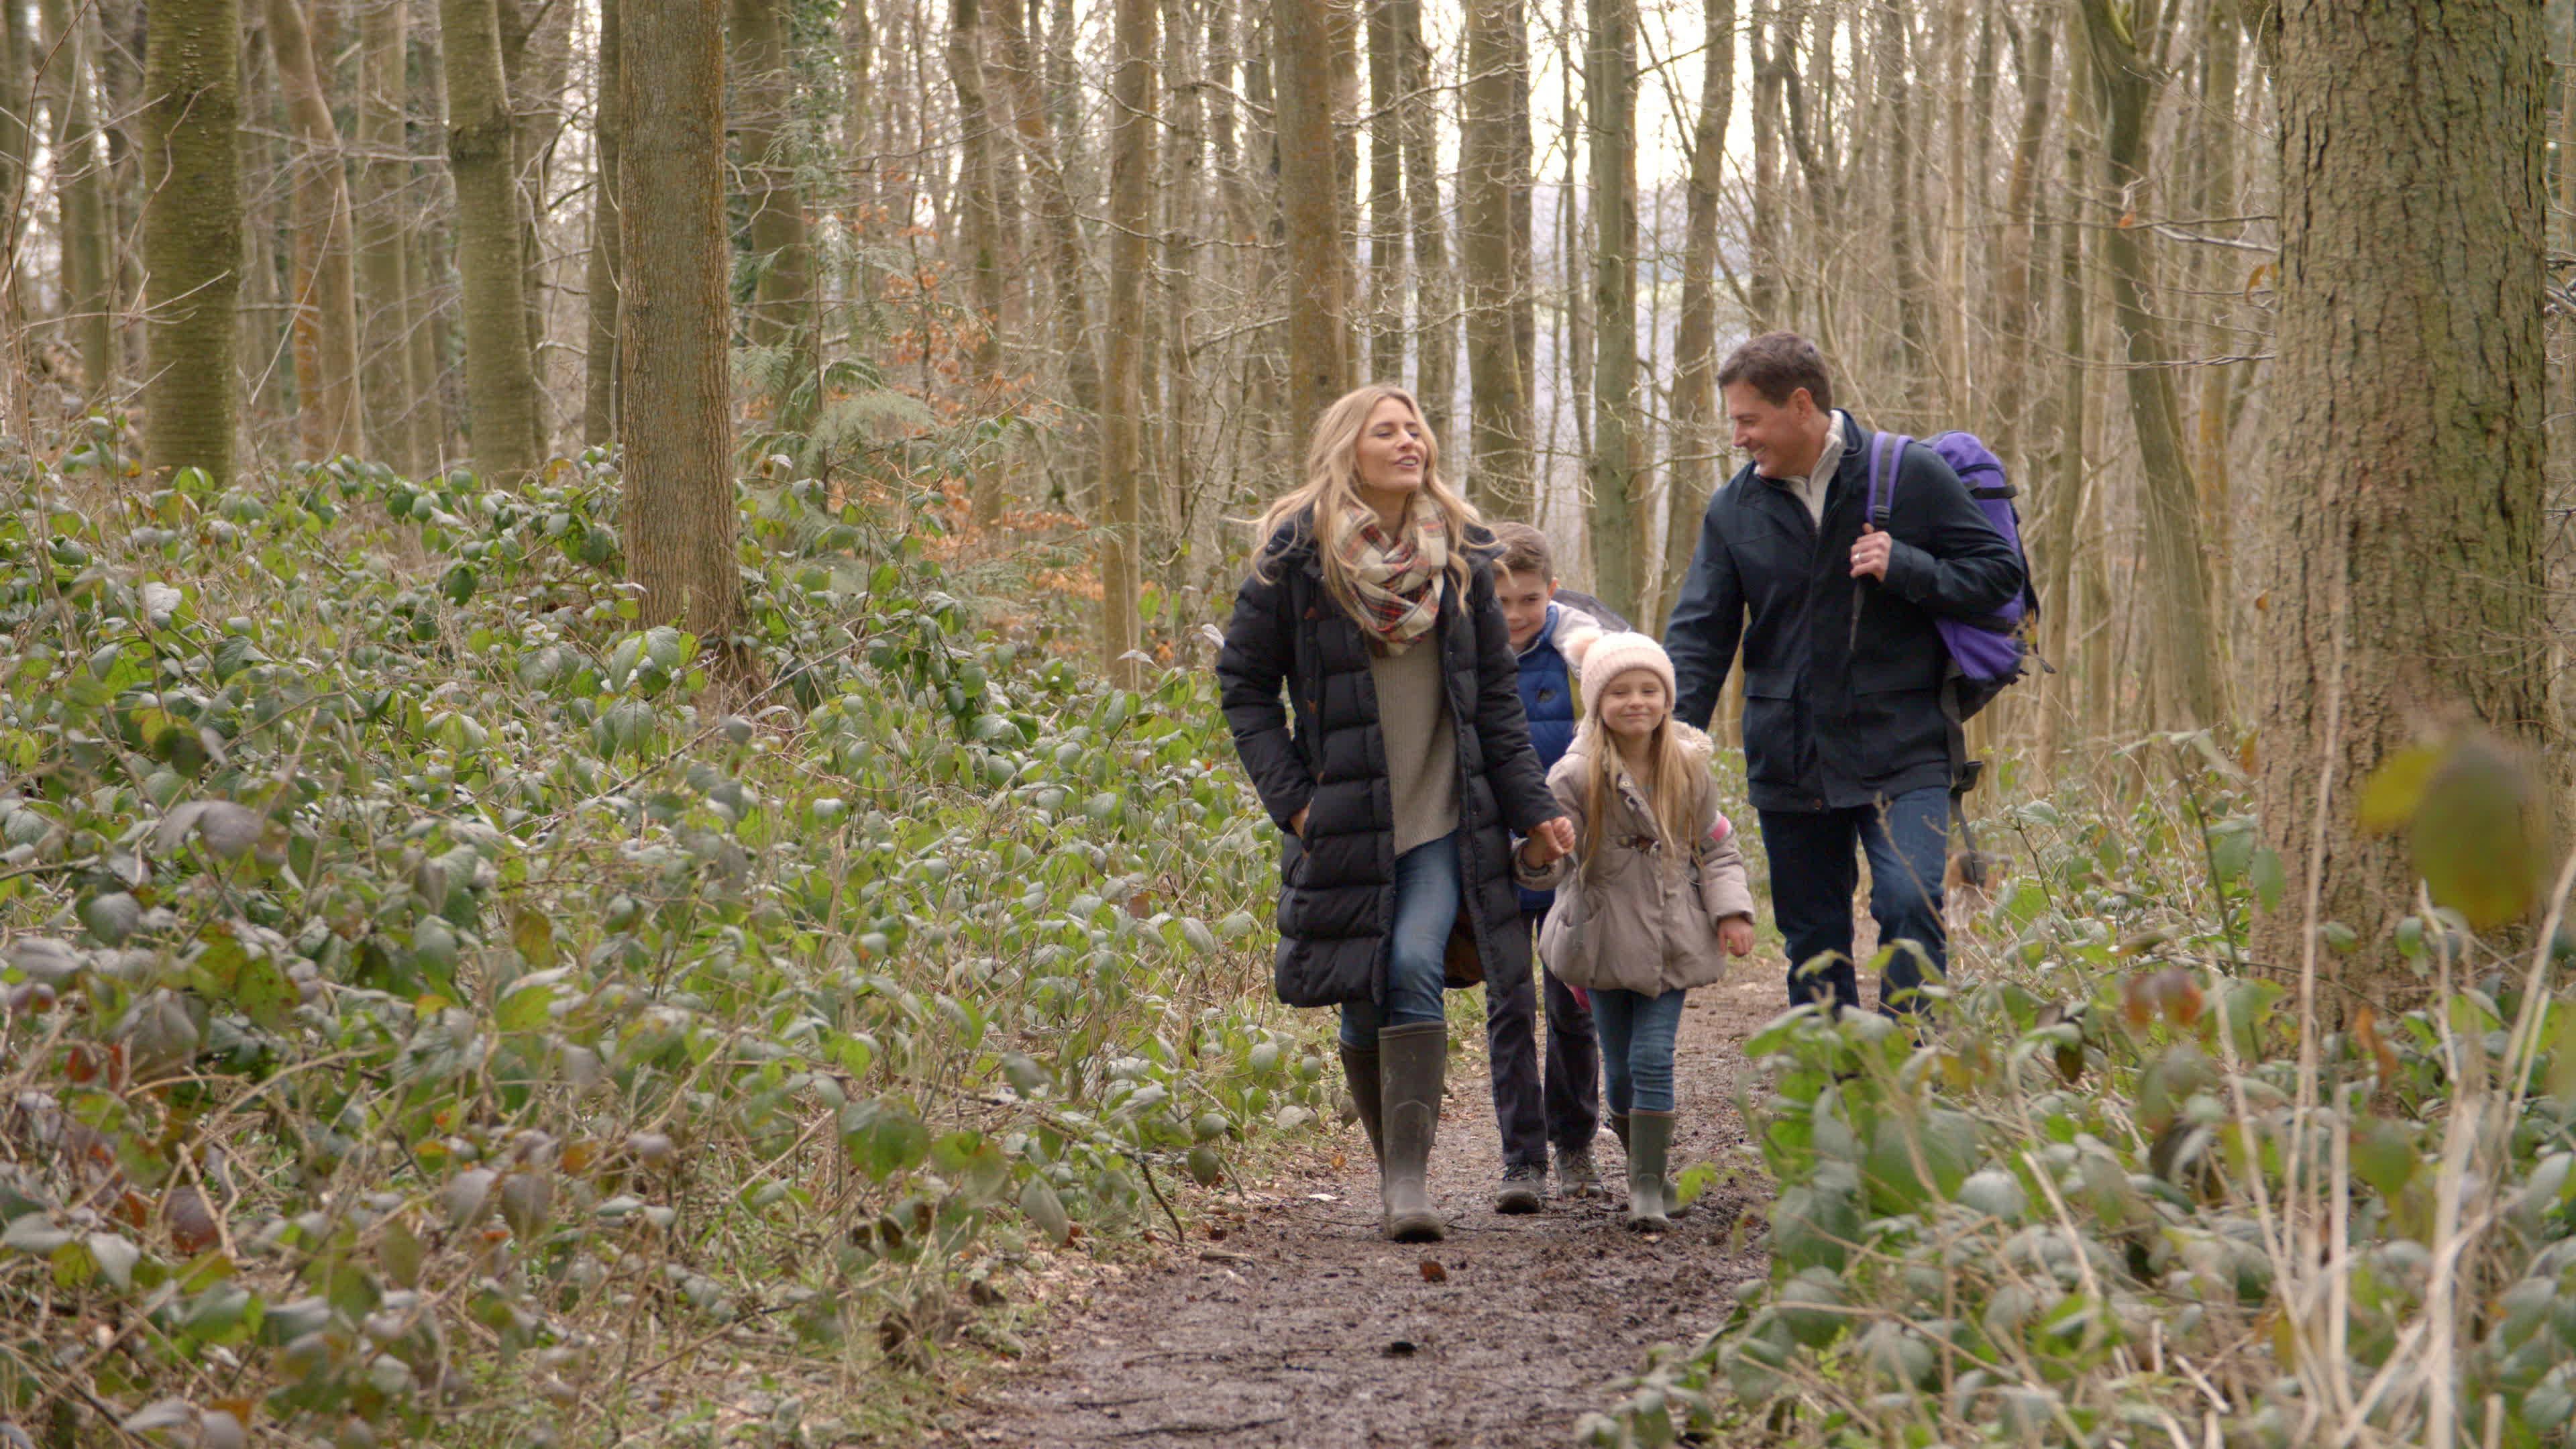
{"points": [[1186, 168], [1690, 475], [1905, 201], [2188, 645], [1498, 411], [385, 282], [1610, 83], [1388, 219], [536, 65], [2410, 373], [2035, 55], [2213, 447], [2061, 506], [1131, 216], [500, 377], [1768, 42], [1065, 257], [975, 184], [599, 379], [1341, 25], [782, 308], [326, 295], [431, 254], [1318, 323], [1435, 325], [859, 142], [80, 190], [679, 511], [192, 234]]}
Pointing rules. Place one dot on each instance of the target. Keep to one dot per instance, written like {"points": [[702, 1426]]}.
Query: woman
{"points": [[1407, 768]]}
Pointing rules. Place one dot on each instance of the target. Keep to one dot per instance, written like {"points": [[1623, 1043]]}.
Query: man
{"points": [[1846, 744]]}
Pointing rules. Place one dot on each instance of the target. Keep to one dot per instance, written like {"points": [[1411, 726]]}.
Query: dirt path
{"points": [[1301, 1327]]}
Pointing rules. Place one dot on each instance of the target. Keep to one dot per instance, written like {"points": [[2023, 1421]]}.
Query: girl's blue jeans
{"points": [[1637, 1035]]}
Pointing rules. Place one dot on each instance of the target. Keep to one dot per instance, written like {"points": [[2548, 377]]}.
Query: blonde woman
{"points": [[1396, 767]]}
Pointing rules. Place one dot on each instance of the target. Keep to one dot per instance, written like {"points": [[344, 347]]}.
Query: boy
{"points": [[1551, 630]]}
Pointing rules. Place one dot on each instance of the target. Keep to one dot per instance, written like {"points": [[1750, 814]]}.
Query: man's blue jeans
{"points": [[1637, 1047], [1813, 873], [1426, 906]]}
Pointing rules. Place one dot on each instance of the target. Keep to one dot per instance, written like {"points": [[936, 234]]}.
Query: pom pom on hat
{"points": [[1612, 655]]}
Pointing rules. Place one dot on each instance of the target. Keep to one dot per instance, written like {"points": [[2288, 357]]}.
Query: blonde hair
{"points": [[1675, 787], [1332, 490]]}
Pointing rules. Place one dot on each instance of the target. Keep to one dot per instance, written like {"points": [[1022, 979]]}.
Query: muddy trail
{"points": [[1300, 1326]]}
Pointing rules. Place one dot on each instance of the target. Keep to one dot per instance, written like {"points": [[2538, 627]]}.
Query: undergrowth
{"points": [[433, 1003], [2135, 1188]]}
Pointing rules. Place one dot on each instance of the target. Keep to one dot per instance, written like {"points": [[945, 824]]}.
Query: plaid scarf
{"points": [[1397, 580]]}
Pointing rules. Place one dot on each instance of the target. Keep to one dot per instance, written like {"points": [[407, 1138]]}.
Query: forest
{"points": [[615, 826]]}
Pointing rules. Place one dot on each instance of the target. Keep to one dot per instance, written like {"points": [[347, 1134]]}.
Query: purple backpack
{"points": [[1986, 654]]}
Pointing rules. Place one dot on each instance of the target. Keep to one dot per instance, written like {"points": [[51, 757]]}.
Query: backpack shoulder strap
{"points": [[1886, 459]]}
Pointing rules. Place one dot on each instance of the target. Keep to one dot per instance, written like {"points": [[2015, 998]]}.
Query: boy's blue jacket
{"points": [[1549, 667]]}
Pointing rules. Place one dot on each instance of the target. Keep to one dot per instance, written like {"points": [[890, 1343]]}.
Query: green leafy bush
{"points": [[432, 999], [2135, 1188]]}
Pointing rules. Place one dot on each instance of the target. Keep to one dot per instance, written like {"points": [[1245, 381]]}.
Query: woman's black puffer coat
{"points": [[1337, 886]]}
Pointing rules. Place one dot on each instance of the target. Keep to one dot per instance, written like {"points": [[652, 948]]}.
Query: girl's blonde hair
{"points": [[1674, 788], [1332, 490]]}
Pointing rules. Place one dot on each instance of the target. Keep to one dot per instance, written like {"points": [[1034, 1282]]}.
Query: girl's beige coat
{"points": [[1635, 924]]}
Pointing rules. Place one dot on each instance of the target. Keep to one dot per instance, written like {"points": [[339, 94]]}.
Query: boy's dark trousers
{"points": [[1567, 1111]]}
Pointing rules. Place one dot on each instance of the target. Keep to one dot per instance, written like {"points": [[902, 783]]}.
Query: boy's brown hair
{"points": [[1524, 551]]}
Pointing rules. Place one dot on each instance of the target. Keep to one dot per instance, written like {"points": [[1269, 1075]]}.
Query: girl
{"points": [[1406, 770], [1657, 892]]}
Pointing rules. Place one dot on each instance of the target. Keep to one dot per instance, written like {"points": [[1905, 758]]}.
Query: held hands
{"points": [[1297, 822], [1735, 933], [1869, 554], [1550, 842]]}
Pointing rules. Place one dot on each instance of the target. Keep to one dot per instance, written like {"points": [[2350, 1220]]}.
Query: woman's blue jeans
{"points": [[1637, 1035], [1426, 906]]}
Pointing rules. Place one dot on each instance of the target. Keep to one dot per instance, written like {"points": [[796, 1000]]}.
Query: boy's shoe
{"points": [[1524, 1187], [1575, 1174]]}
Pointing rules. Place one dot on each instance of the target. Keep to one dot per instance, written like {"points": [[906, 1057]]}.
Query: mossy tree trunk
{"points": [[500, 376], [325, 297], [2407, 505], [680, 521], [192, 234]]}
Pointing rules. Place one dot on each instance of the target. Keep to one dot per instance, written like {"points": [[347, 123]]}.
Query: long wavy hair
{"points": [[1672, 786], [1332, 490]]}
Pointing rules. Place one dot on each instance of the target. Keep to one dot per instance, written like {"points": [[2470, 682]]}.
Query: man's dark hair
{"points": [[1778, 364]]}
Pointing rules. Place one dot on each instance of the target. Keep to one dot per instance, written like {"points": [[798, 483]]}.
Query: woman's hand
{"points": [[1297, 822], [1735, 933]]}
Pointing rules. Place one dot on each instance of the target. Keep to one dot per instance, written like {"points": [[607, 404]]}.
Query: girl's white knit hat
{"points": [[1612, 655]]}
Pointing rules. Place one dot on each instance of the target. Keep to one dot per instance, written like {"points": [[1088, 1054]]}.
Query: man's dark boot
{"points": [[1412, 1061], [1650, 1146], [1360, 1070]]}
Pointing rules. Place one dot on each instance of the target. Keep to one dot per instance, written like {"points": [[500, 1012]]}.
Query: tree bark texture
{"points": [[1388, 219], [782, 307], [1690, 473], [1435, 323], [1498, 411], [2188, 646], [2407, 499], [599, 370], [1131, 215], [1309, 190], [500, 375], [192, 234], [679, 517], [396, 424], [1610, 80], [325, 298], [80, 191]]}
